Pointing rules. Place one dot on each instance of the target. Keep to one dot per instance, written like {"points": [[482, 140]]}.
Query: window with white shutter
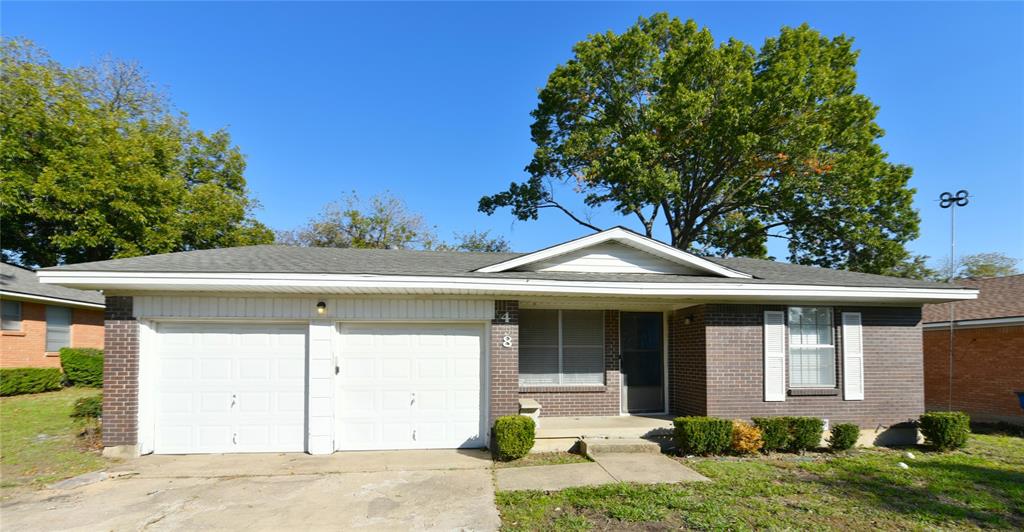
{"points": [[774, 356], [561, 347], [812, 352], [853, 357]]}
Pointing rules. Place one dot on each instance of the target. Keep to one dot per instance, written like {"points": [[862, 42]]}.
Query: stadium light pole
{"points": [[951, 202]]}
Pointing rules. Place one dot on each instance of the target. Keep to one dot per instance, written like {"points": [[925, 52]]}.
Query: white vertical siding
{"points": [[356, 309], [320, 412]]}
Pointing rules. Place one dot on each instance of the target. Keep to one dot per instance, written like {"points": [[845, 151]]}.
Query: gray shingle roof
{"points": [[289, 259], [18, 280], [999, 297]]}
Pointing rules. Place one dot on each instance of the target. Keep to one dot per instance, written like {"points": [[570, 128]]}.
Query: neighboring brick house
{"points": [[988, 351], [276, 349], [39, 319]]}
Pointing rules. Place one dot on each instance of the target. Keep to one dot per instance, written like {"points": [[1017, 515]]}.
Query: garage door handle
{"points": [[413, 400], [234, 400]]}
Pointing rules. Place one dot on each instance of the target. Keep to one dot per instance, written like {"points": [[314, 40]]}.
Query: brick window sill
{"points": [[52, 354], [564, 389], [14, 333], [813, 392]]}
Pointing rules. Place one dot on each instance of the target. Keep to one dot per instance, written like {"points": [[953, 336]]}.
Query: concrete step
{"points": [[595, 446]]}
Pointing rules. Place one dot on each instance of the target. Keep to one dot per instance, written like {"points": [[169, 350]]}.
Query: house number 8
{"points": [[506, 341]]}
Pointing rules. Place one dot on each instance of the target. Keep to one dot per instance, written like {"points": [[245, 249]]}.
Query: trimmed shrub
{"points": [[805, 433], [17, 381], [774, 432], [82, 366], [844, 436], [88, 407], [746, 438], [513, 436], [702, 435], [945, 430]]}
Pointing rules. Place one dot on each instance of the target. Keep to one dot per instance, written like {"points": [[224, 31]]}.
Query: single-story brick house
{"points": [[273, 348], [40, 319], [987, 359]]}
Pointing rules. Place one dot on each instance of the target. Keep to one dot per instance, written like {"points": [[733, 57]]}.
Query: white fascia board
{"points": [[46, 299], [658, 249], [313, 283], [969, 324]]}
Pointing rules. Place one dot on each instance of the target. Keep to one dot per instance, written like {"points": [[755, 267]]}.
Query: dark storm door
{"points": [[643, 371]]}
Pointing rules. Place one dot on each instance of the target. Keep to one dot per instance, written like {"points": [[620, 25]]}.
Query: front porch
{"points": [[564, 433]]}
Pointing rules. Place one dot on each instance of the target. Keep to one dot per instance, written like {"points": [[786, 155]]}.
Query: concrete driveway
{"points": [[397, 490]]}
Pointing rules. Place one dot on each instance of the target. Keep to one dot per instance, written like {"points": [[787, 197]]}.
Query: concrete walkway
{"points": [[394, 490], [607, 468]]}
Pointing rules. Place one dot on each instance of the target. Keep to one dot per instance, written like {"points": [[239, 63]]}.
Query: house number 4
{"points": [[506, 341]]}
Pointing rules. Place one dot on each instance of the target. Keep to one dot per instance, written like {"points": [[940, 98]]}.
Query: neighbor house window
{"points": [[561, 347], [58, 328], [812, 352], [11, 315]]}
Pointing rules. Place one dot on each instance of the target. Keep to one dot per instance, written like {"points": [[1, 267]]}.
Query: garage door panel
{"points": [[230, 388], [409, 386]]}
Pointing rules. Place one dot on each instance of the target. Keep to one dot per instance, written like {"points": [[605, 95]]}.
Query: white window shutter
{"points": [[774, 355], [853, 357]]}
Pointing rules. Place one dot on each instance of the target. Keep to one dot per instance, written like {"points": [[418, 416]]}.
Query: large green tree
{"points": [[724, 144], [94, 165]]}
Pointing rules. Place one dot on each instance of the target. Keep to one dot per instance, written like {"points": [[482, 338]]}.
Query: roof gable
{"points": [[615, 250]]}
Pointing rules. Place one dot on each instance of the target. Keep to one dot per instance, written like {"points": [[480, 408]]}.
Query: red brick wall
{"points": [[27, 348], [734, 382], [602, 400], [687, 362], [504, 369], [120, 374], [988, 368]]}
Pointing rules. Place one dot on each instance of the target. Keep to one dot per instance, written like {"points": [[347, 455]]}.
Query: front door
{"points": [[643, 373]]}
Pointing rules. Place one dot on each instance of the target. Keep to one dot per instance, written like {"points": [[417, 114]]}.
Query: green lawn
{"points": [[980, 486], [40, 442]]}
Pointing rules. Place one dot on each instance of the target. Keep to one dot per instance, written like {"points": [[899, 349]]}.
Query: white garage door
{"points": [[228, 388], [409, 386]]}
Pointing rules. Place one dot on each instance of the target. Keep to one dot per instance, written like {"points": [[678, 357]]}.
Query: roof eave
{"points": [[126, 282], [36, 298]]}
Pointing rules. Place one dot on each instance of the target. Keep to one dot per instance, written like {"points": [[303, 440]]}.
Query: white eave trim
{"points": [[629, 238], [486, 286], [52, 300], [970, 324]]}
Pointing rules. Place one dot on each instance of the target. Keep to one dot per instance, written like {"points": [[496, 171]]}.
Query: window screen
{"points": [[582, 347], [58, 328], [11, 315], [538, 347], [561, 347], [812, 353]]}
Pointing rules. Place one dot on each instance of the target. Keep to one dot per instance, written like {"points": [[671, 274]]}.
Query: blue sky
{"points": [[432, 101]]}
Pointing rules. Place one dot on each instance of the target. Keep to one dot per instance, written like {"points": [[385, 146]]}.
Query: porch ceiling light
{"points": [[321, 307]]}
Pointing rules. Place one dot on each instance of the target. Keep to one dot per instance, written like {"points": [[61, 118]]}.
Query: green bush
{"points": [[774, 432], [513, 436], [844, 436], [790, 433], [82, 366], [702, 435], [88, 407], [16, 381], [945, 430], [805, 433]]}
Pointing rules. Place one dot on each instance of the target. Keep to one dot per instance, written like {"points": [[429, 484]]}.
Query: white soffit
{"points": [[605, 259]]}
